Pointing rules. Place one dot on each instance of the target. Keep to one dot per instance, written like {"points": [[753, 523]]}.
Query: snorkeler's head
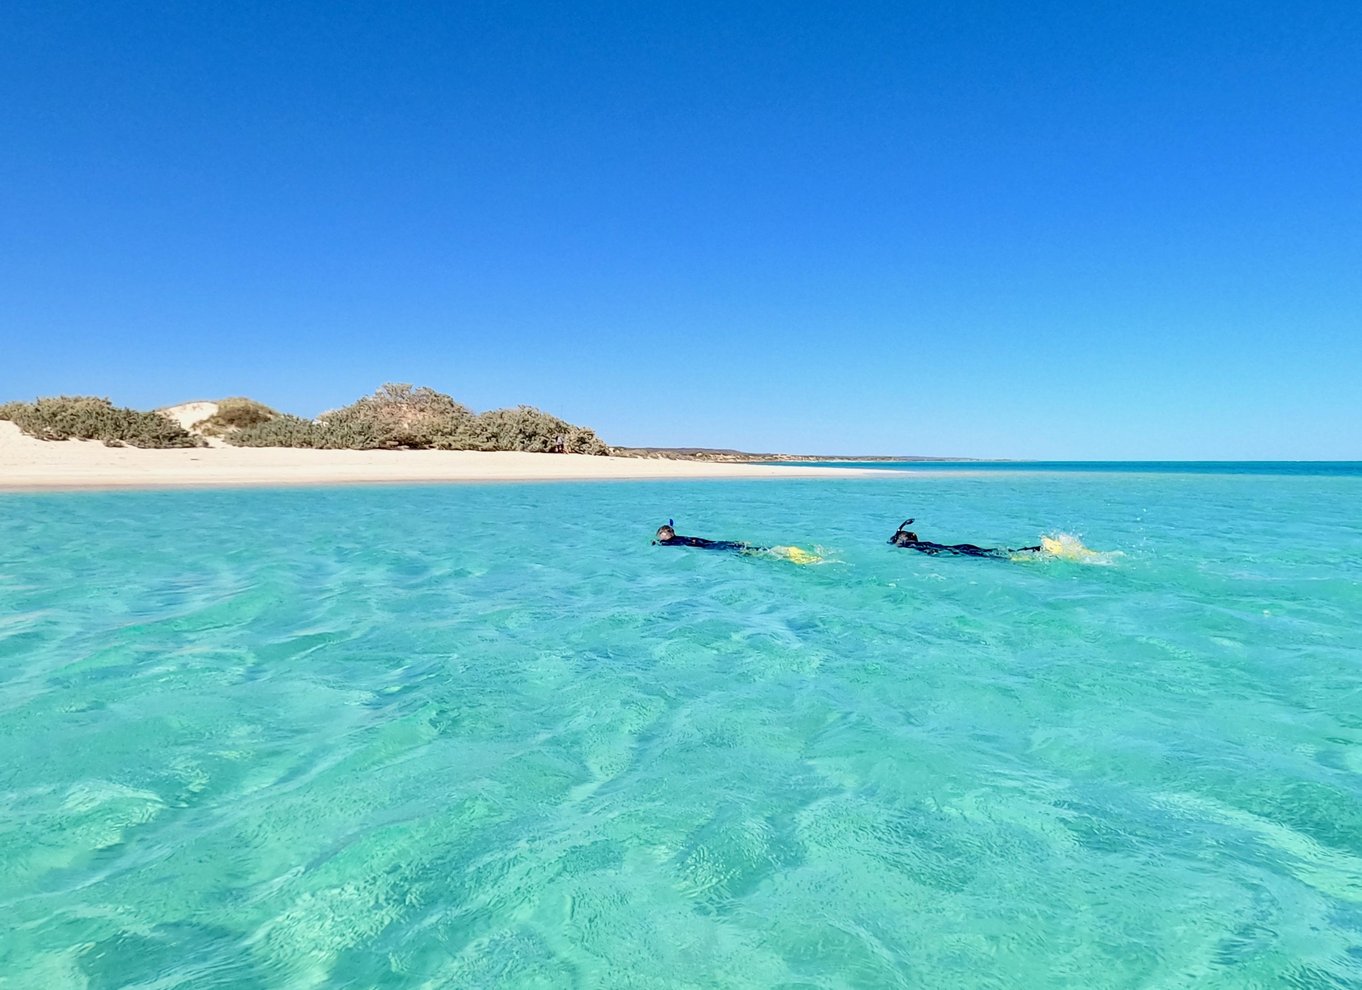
{"points": [[665, 533], [903, 535]]}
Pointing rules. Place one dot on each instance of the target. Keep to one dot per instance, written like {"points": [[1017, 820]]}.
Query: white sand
{"points": [[26, 464], [190, 414]]}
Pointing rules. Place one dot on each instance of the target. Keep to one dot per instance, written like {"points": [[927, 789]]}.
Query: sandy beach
{"points": [[27, 464]]}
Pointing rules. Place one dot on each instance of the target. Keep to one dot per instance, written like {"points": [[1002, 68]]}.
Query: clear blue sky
{"points": [[992, 229]]}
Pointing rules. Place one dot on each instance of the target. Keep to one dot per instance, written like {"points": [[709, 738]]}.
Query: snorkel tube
{"points": [[902, 526]]}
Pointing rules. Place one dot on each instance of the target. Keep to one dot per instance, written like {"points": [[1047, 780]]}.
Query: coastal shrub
{"points": [[529, 429], [583, 440], [398, 415], [281, 431], [83, 417], [236, 414]]}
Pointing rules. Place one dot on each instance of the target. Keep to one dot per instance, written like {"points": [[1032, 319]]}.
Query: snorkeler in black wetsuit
{"points": [[908, 540], [666, 537]]}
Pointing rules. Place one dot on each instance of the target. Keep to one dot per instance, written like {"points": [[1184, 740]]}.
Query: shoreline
{"points": [[31, 465]]}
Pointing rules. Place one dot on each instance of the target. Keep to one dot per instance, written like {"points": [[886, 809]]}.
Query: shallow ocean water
{"points": [[487, 736]]}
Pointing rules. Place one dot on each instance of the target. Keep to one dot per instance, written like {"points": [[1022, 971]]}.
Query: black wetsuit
{"points": [[732, 546], [957, 549]]}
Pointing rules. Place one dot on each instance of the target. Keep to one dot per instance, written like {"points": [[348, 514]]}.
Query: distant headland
{"points": [[725, 456]]}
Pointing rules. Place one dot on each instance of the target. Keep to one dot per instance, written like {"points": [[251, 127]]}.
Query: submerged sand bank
{"points": [[29, 464]]}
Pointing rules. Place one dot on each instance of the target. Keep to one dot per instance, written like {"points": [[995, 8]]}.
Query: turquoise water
{"points": [[1293, 468], [486, 736]]}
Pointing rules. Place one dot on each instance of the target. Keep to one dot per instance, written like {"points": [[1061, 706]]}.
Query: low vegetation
{"points": [[404, 417], [283, 431], [236, 414], [83, 417], [399, 417], [530, 429], [396, 417]]}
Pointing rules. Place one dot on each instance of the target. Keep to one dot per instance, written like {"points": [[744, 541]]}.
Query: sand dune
{"points": [[27, 464], [189, 414]]}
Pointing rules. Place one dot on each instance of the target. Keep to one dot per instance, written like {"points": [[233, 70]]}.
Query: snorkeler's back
{"points": [[908, 540], [667, 537]]}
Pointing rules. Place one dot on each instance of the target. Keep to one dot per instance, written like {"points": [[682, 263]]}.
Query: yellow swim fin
{"points": [[1066, 547]]}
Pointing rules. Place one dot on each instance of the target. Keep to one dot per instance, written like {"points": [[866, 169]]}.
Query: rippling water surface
{"points": [[486, 736]]}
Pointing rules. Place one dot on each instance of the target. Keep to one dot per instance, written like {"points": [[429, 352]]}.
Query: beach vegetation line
{"points": [[397, 416], [405, 417], [85, 417]]}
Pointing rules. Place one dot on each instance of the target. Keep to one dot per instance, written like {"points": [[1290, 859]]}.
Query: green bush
{"points": [[83, 417], [583, 440], [397, 416], [403, 417], [281, 431], [236, 414], [529, 429]]}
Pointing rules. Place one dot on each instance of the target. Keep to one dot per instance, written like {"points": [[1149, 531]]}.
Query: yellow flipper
{"points": [[1066, 547]]}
